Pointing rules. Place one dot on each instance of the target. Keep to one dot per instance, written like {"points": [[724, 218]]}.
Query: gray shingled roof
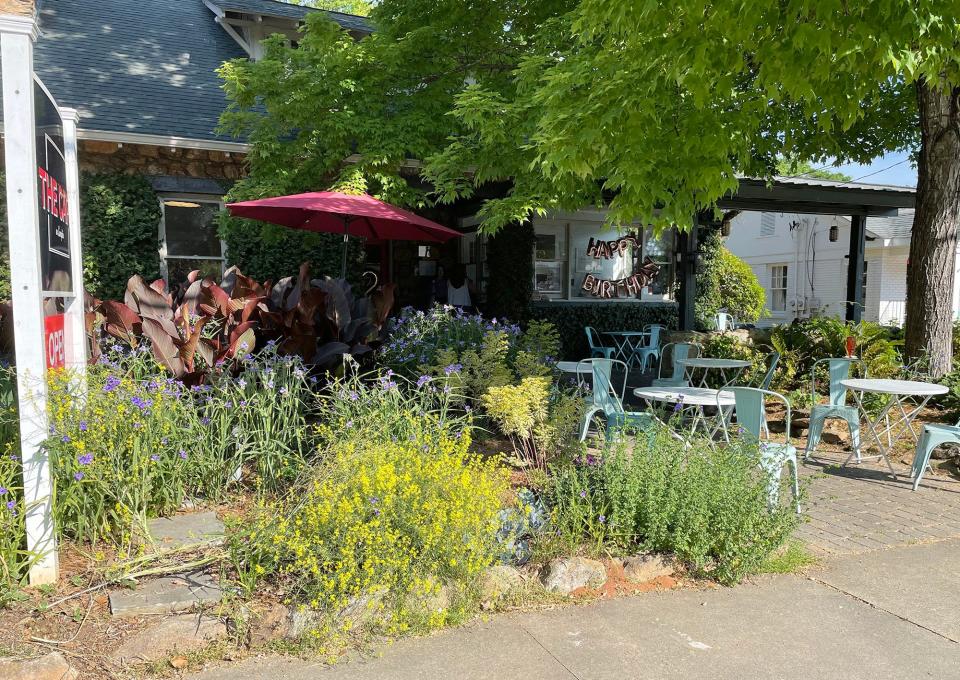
{"points": [[892, 227], [142, 66], [273, 8]]}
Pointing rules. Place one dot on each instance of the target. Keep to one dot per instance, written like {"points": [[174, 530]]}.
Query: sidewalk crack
{"points": [[883, 609], [551, 654]]}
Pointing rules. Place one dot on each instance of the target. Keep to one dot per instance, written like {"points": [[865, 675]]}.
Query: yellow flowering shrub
{"points": [[399, 530], [520, 411]]}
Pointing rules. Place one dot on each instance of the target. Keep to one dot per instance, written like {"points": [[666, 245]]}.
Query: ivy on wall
{"points": [[266, 251], [510, 263], [119, 217], [571, 319]]}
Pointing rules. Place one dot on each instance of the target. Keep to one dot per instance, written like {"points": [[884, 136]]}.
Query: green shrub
{"points": [[708, 505], [805, 342], [571, 318], [396, 531], [475, 353], [14, 559], [725, 282]]}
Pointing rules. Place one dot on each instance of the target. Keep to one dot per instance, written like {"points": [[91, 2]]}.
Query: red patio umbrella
{"points": [[347, 214]]}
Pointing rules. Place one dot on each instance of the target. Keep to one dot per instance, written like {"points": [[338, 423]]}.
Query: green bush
{"points": [[707, 505], [725, 282], [571, 318], [803, 343]]}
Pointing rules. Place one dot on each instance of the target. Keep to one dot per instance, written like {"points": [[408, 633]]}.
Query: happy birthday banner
{"points": [[611, 288]]}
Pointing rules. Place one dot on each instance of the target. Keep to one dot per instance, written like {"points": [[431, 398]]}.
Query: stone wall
{"points": [[24, 8], [96, 156]]}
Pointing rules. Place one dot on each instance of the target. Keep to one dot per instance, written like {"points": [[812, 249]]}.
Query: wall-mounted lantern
{"points": [[834, 233]]}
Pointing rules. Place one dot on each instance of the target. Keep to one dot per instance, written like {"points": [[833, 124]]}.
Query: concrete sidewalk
{"points": [[885, 614]]}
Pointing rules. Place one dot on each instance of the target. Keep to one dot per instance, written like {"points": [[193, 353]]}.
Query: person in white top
{"points": [[459, 288]]}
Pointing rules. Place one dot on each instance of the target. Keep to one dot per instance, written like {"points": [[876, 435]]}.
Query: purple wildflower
{"points": [[183, 454], [3, 490], [583, 494], [77, 476], [85, 459], [423, 380], [113, 382], [155, 458], [601, 519], [11, 505], [204, 421], [453, 368], [83, 425]]}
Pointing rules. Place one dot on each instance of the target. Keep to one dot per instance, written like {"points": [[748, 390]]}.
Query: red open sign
{"points": [[54, 341]]}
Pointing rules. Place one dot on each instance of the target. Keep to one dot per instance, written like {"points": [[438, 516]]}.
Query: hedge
{"points": [[571, 318]]}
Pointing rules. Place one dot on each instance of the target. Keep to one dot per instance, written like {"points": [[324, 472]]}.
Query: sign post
{"points": [[75, 329], [17, 35]]}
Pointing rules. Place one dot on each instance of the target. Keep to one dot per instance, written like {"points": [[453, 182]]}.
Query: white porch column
{"points": [[17, 35], [75, 334]]}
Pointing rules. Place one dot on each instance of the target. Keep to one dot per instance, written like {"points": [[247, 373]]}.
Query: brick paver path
{"points": [[861, 507]]}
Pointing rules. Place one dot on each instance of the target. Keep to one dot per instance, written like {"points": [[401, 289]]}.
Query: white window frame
{"points": [[785, 280], [162, 232]]}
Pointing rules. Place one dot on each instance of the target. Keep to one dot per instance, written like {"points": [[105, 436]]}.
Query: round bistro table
{"points": [[908, 397], [707, 364], [694, 399]]}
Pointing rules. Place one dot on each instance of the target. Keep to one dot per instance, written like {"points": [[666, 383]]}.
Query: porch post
{"points": [[858, 237], [687, 277]]}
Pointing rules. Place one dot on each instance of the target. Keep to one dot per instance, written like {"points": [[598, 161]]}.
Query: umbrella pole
{"points": [[346, 237]]}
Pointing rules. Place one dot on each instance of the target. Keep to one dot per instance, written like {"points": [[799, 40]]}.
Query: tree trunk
{"points": [[933, 243]]}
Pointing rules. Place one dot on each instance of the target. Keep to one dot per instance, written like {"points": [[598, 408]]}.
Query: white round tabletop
{"points": [[574, 367], [708, 362], [626, 333], [912, 388], [690, 396]]}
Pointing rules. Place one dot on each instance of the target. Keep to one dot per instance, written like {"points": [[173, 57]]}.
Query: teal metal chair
{"points": [[933, 436], [771, 361], [750, 412], [651, 345], [677, 352], [596, 349], [836, 406], [607, 400]]}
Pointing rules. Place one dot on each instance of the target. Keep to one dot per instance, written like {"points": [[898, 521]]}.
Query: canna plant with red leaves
{"points": [[208, 325]]}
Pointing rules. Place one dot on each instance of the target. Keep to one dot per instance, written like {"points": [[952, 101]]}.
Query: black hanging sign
{"points": [[54, 223]]}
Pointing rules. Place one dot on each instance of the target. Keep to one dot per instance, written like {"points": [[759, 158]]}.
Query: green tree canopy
{"points": [[793, 168], [359, 7], [652, 109]]}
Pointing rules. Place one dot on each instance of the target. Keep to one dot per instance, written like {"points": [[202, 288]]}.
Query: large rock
{"points": [[181, 531], [497, 581], [183, 633], [167, 595], [568, 574], [643, 568], [52, 666], [273, 623]]}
